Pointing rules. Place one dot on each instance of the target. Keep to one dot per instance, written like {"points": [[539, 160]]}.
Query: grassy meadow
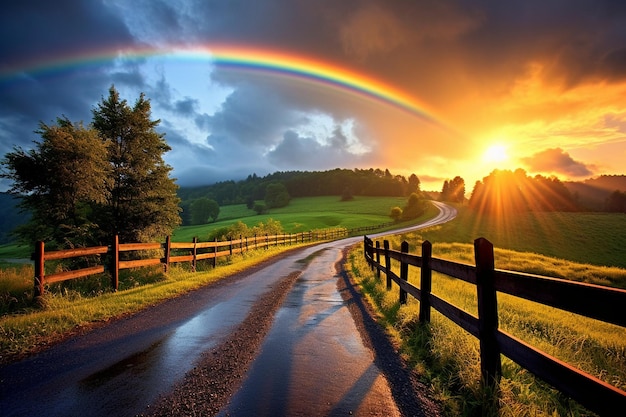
{"points": [[447, 358], [25, 325], [303, 215]]}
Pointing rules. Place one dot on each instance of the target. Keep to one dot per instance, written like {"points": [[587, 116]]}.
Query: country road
{"points": [[289, 337]]}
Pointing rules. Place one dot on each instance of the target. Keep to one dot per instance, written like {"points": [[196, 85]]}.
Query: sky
{"points": [[434, 88]]}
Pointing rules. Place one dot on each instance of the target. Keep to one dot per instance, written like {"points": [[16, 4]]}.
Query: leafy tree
{"points": [[276, 195], [395, 213], [347, 194], [616, 202], [414, 184], [506, 192], [260, 208], [141, 201], [415, 207], [453, 190], [204, 210], [61, 180]]}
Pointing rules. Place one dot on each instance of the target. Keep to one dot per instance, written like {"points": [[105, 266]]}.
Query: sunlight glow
{"points": [[496, 153]]}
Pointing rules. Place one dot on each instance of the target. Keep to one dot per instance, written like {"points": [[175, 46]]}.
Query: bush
{"points": [[415, 207], [396, 213], [260, 208]]}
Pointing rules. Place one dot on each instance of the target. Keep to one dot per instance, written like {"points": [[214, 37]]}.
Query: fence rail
{"points": [[159, 254], [594, 301]]}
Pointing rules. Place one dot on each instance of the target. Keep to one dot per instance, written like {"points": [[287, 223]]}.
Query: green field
{"points": [[590, 238], [303, 214]]}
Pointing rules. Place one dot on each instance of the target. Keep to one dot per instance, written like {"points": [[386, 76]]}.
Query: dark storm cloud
{"points": [[36, 29], [297, 152], [187, 107], [556, 161], [253, 115]]}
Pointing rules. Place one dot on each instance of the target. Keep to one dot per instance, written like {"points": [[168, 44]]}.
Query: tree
{"points": [[453, 190], [61, 180], [204, 210], [616, 202], [395, 213], [415, 207], [414, 184], [347, 194], [276, 195], [141, 198]]}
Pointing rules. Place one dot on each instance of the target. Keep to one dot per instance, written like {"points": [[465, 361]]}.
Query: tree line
{"points": [[506, 191], [364, 182]]}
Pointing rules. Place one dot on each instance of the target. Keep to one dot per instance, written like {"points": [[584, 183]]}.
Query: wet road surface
{"points": [[312, 362], [314, 335]]}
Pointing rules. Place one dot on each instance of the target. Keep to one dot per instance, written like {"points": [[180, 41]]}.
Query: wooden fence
{"points": [[598, 302], [146, 254]]}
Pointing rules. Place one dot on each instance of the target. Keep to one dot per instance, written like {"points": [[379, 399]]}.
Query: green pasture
{"points": [[589, 238], [303, 215]]}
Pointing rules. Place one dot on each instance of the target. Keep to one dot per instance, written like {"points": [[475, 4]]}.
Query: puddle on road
{"points": [[313, 361]]}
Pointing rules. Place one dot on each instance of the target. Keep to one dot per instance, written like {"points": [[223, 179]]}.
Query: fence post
{"points": [[404, 271], [194, 261], [387, 263], [168, 251], [215, 252], [40, 272], [230, 245], [378, 260], [115, 263], [490, 363], [426, 280]]}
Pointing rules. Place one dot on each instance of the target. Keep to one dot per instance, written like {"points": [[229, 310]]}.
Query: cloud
{"points": [[253, 115], [557, 161], [296, 152]]}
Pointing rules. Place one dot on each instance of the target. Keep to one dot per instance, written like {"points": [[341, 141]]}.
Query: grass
{"points": [[303, 214], [447, 358], [589, 238]]}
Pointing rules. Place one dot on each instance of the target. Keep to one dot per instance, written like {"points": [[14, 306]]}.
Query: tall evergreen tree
{"points": [[141, 200]]}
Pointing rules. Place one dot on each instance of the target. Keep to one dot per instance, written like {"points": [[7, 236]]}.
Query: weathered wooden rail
{"points": [[156, 253], [594, 301]]}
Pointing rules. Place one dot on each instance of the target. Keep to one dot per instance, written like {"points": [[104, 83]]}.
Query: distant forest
{"points": [[357, 182]]}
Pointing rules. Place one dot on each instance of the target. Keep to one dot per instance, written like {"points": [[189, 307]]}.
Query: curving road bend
{"points": [[290, 337]]}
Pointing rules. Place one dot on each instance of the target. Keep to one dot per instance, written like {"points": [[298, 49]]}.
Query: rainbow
{"points": [[248, 59]]}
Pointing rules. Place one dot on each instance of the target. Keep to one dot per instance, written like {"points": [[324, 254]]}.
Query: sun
{"points": [[496, 153]]}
